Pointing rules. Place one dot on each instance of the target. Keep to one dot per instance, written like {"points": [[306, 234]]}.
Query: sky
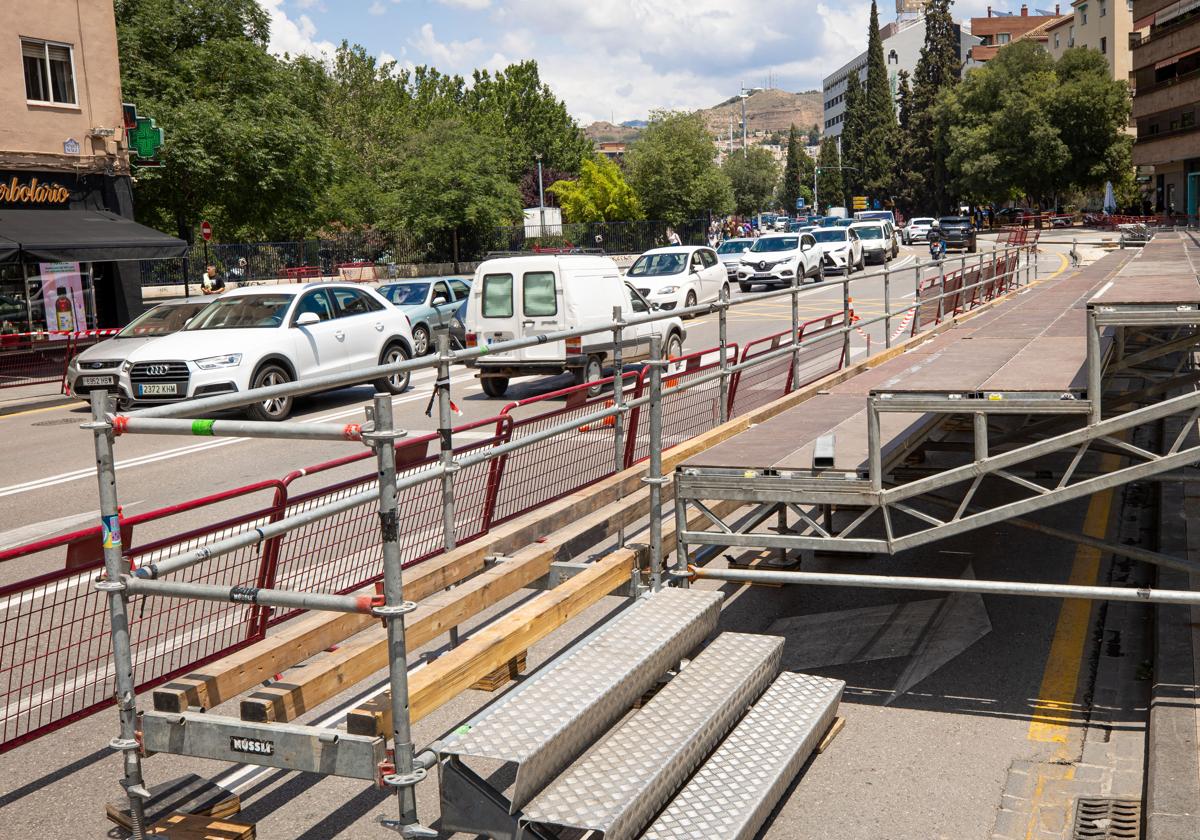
{"points": [[607, 59]]}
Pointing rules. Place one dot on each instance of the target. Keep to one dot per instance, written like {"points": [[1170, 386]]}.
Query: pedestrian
{"points": [[211, 283], [673, 237]]}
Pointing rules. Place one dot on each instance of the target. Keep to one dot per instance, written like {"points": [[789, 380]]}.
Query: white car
{"points": [[730, 253], [260, 336], [776, 258], [917, 229], [98, 367], [840, 248], [878, 240], [679, 276]]}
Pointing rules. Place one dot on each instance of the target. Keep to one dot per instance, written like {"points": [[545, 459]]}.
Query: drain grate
{"points": [[1107, 819]]}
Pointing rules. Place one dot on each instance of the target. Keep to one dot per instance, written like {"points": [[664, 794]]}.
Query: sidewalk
{"points": [[1172, 756], [26, 397]]}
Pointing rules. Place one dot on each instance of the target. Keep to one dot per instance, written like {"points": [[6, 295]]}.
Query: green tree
{"points": [[671, 168], [240, 148], [814, 134], [1024, 126], [907, 180], [797, 174], [853, 137], [937, 70], [829, 174], [878, 120], [753, 177], [599, 194]]}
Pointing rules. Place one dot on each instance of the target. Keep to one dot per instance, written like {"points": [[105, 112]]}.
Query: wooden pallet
{"points": [[193, 827], [188, 794], [510, 670]]}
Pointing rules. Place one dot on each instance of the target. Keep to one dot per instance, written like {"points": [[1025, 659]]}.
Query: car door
{"points": [[637, 345], [361, 318], [541, 312], [318, 348], [808, 255], [696, 277], [714, 274], [441, 303]]}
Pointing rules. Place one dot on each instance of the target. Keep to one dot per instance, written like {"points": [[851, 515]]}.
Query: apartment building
{"points": [[1166, 102], [999, 28], [1102, 25]]}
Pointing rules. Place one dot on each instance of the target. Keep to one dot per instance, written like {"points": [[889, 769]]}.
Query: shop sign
{"points": [[70, 146], [33, 191], [62, 296]]}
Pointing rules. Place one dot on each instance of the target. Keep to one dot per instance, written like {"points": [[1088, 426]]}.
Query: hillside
{"points": [[766, 110]]}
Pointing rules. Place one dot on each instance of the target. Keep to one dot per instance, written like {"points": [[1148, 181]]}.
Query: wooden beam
{"points": [[452, 673]]}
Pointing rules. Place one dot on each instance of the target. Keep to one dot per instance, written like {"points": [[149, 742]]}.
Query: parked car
{"points": [[458, 326], [428, 304], [98, 367], [1013, 215], [523, 296], [255, 337], [870, 215], [777, 258], [917, 229], [878, 240], [729, 253], [678, 276], [958, 232], [839, 248]]}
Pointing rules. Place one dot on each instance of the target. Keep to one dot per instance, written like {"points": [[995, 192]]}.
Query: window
{"points": [[538, 295], [893, 58], [1003, 38], [355, 302], [637, 301], [1187, 119], [1055, 40], [441, 293], [710, 259], [49, 72], [1104, 45], [1083, 15], [1103, 10], [316, 302], [460, 289], [498, 296]]}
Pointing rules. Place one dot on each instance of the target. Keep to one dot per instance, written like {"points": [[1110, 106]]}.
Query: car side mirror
{"points": [[745, 250], [307, 319]]}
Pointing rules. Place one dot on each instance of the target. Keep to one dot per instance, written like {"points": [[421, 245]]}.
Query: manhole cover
{"points": [[65, 421], [1107, 819]]}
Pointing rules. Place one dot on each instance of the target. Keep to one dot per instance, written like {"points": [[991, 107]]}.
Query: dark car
{"points": [[458, 328], [958, 232]]}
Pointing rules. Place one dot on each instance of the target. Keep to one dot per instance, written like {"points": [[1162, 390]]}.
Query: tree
{"points": [[936, 70], [797, 174], [600, 194], [671, 168], [907, 180], [1024, 126], [829, 173], [877, 119], [814, 134], [853, 136], [753, 177]]}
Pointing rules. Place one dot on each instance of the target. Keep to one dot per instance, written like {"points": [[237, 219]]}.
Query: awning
{"points": [[80, 236]]}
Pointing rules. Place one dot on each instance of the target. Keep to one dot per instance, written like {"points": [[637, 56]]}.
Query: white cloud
{"points": [[474, 5], [295, 37], [452, 56], [376, 8]]}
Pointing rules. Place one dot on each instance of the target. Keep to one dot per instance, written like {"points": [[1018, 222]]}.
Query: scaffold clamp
{"points": [[394, 610]]}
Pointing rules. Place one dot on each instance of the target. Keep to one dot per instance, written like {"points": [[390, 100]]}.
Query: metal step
{"points": [[619, 786], [547, 722], [732, 795]]}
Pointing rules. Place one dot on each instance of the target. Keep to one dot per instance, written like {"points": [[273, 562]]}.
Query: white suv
{"points": [[839, 248], [776, 258], [917, 229], [259, 336], [878, 240]]}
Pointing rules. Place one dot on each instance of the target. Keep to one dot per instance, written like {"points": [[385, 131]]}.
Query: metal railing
{"points": [[682, 396]]}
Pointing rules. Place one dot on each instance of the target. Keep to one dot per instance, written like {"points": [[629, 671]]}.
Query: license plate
{"points": [[96, 380], [162, 389]]}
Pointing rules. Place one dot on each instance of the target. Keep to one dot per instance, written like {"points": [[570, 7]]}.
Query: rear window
{"points": [[497, 296], [537, 293]]}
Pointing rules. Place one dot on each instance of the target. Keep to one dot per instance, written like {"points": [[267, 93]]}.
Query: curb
{"points": [[1172, 808]]}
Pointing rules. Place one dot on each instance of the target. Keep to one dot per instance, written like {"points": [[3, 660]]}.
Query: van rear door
{"points": [[541, 303], [497, 311]]}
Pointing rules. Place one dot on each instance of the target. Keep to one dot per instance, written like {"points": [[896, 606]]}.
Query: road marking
{"points": [[41, 410], [1055, 707]]}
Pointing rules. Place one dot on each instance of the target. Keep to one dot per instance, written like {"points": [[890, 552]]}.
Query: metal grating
{"points": [[1107, 819]]}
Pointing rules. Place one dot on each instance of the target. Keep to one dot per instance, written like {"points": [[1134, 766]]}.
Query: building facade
{"points": [[1102, 25], [1000, 28], [902, 43], [1166, 101], [62, 154]]}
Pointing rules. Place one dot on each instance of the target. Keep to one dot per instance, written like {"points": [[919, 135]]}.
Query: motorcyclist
{"points": [[937, 245]]}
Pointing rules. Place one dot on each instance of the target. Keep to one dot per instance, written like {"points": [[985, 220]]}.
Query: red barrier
{"points": [[41, 358], [685, 414]]}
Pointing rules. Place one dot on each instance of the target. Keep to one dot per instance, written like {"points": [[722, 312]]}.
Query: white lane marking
{"points": [[142, 460], [49, 527]]}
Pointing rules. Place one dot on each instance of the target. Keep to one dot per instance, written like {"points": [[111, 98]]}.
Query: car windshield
{"points": [[922, 222], [733, 246], [656, 265], [954, 220], [161, 320], [845, 222], [405, 294], [770, 244], [835, 235], [869, 232], [243, 312]]}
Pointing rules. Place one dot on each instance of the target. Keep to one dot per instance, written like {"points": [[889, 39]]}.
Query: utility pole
{"points": [[816, 204], [744, 96], [541, 199]]}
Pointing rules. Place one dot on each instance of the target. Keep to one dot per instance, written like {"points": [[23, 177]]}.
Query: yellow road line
{"points": [[38, 410]]}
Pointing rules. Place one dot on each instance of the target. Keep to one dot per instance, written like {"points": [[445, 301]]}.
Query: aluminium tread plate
{"points": [[734, 792], [547, 721], [618, 786], [1164, 272]]}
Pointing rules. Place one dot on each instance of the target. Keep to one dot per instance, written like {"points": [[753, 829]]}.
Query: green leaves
{"points": [[829, 174], [753, 177], [797, 178], [671, 168], [600, 194]]}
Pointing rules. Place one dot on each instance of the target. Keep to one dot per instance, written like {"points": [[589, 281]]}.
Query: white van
{"points": [[523, 296]]}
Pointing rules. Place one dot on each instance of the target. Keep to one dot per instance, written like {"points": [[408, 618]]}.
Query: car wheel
{"points": [[689, 302], [590, 372], [674, 348], [397, 383], [745, 287], [495, 386], [277, 408], [420, 340], [725, 290]]}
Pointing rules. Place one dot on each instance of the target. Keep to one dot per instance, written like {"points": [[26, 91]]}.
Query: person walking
{"points": [[211, 283], [673, 237]]}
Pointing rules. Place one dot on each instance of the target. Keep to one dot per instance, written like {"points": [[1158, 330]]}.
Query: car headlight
{"points": [[668, 290], [215, 362], [126, 366]]}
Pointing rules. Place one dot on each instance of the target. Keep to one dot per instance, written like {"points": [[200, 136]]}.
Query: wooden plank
{"points": [[192, 827], [312, 684], [834, 729], [452, 673], [187, 794], [506, 673]]}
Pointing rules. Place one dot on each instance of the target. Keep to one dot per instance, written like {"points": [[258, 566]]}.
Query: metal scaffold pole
{"points": [[654, 477], [795, 296], [887, 307], [118, 613], [723, 335], [406, 774], [446, 450], [619, 402]]}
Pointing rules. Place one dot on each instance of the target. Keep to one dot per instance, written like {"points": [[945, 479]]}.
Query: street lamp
{"points": [[744, 94], [541, 199]]}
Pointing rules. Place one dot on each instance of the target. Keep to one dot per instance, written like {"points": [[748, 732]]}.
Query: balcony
{"points": [[1167, 96], [1173, 39], [1167, 147]]}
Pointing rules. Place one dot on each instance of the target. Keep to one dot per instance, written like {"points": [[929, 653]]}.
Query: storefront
{"points": [[66, 262]]}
